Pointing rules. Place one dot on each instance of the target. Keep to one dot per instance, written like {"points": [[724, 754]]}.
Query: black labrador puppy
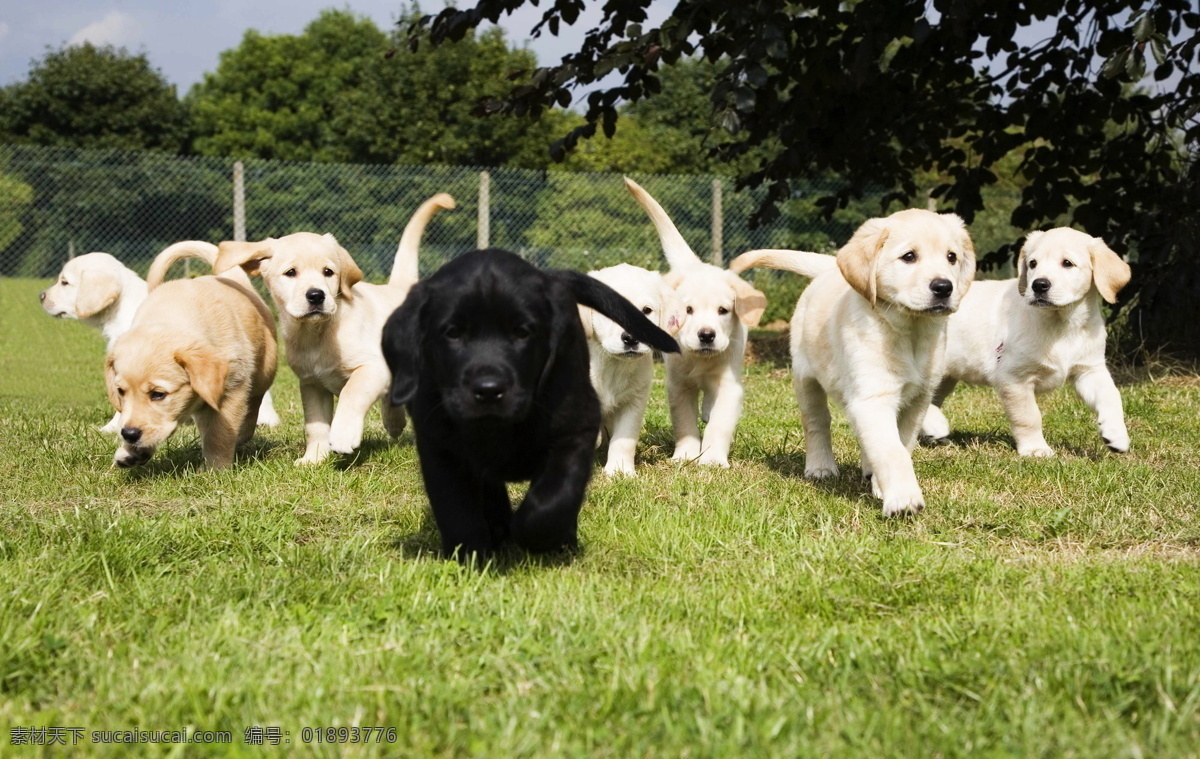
{"points": [[491, 360]]}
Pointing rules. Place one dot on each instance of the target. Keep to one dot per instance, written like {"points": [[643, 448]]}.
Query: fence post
{"points": [[718, 225], [483, 236], [239, 201]]}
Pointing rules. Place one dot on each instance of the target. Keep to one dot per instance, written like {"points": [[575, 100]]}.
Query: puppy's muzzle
{"points": [[1041, 289], [131, 435], [42, 296], [941, 288], [707, 337]]}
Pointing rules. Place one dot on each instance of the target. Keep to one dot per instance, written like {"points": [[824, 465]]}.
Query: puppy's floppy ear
{"points": [[248, 255], [110, 382], [858, 259], [350, 275], [206, 373], [97, 291], [966, 266], [585, 318], [1023, 262], [1109, 272], [672, 307], [403, 335], [749, 303]]}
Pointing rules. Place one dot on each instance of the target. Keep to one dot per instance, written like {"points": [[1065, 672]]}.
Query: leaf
{"points": [[1116, 64], [1136, 68], [1143, 28], [745, 99], [756, 75]]}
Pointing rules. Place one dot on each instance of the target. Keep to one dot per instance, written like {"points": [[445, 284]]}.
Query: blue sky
{"points": [[184, 37]]}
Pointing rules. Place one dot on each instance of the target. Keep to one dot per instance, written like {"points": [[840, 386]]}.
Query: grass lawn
{"points": [[1036, 607]]}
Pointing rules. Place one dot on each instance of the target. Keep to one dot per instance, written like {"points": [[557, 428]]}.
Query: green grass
{"points": [[1046, 607]]}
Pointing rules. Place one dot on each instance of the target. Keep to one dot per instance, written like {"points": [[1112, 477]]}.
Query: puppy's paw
{"points": [[873, 482], [1036, 451], [314, 454], [343, 440], [1117, 442], [620, 468], [686, 451], [267, 417], [709, 458], [127, 457], [821, 472], [933, 442], [903, 502]]}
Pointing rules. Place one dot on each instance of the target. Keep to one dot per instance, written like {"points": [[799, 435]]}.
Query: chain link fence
{"points": [[59, 202]]}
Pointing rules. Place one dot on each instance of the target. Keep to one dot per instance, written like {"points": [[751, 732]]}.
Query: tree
{"points": [[343, 91], [879, 93], [93, 97]]}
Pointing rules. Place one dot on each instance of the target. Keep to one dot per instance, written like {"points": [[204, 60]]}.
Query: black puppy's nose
{"points": [[941, 287], [1041, 285], [487, 390], [314, 296], [629, 340], [131, 434], [42, 296], [706, 336]]}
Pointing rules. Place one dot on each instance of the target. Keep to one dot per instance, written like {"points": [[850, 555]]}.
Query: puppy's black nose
{"points": [[1041, 285], [42, 296], [628, 340], [941, 287], [488, 390], [314, 296], [706, 336], [131, 434]]}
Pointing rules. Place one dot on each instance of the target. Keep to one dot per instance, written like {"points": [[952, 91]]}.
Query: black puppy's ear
{"points": [[402, 337], [591, 292]]}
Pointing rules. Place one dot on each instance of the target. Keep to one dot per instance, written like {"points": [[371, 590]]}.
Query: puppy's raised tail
{"points": [[205, 251], [404, 268], [801, 262], [679, 254], [591, 292]]}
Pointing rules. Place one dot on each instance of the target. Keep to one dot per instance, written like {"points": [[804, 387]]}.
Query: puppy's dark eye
{"points": [[121, 391], [689, 309], [328, 272], [290, 273], [521, 333], [1067, 264], [157, 395], [647, 310], [722, 311], [64, 283], [453, 332], [909, 257], [1033, 264], [952, 257]]}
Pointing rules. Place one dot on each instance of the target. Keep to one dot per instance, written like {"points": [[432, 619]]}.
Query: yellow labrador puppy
{"points": [[332, 323], [103, 293], [199, 348], [711, 311], [1030, 335], [622, 368], [871, 331]]}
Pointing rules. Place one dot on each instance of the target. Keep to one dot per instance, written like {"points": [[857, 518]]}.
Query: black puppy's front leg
{"points": [[471, 513], [548, 518]]}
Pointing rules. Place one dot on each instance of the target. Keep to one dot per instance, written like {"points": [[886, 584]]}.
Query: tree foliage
{"points": [[93, 97], [1099, 98], [344, 90]]}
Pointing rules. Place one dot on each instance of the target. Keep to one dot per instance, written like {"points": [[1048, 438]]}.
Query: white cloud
{"points": [[116, 28]]}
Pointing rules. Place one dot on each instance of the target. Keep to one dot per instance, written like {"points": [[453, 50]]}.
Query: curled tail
{"points": [[404, 268], [679, 254], [591, 292], [801, 262], [205, 251]]}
